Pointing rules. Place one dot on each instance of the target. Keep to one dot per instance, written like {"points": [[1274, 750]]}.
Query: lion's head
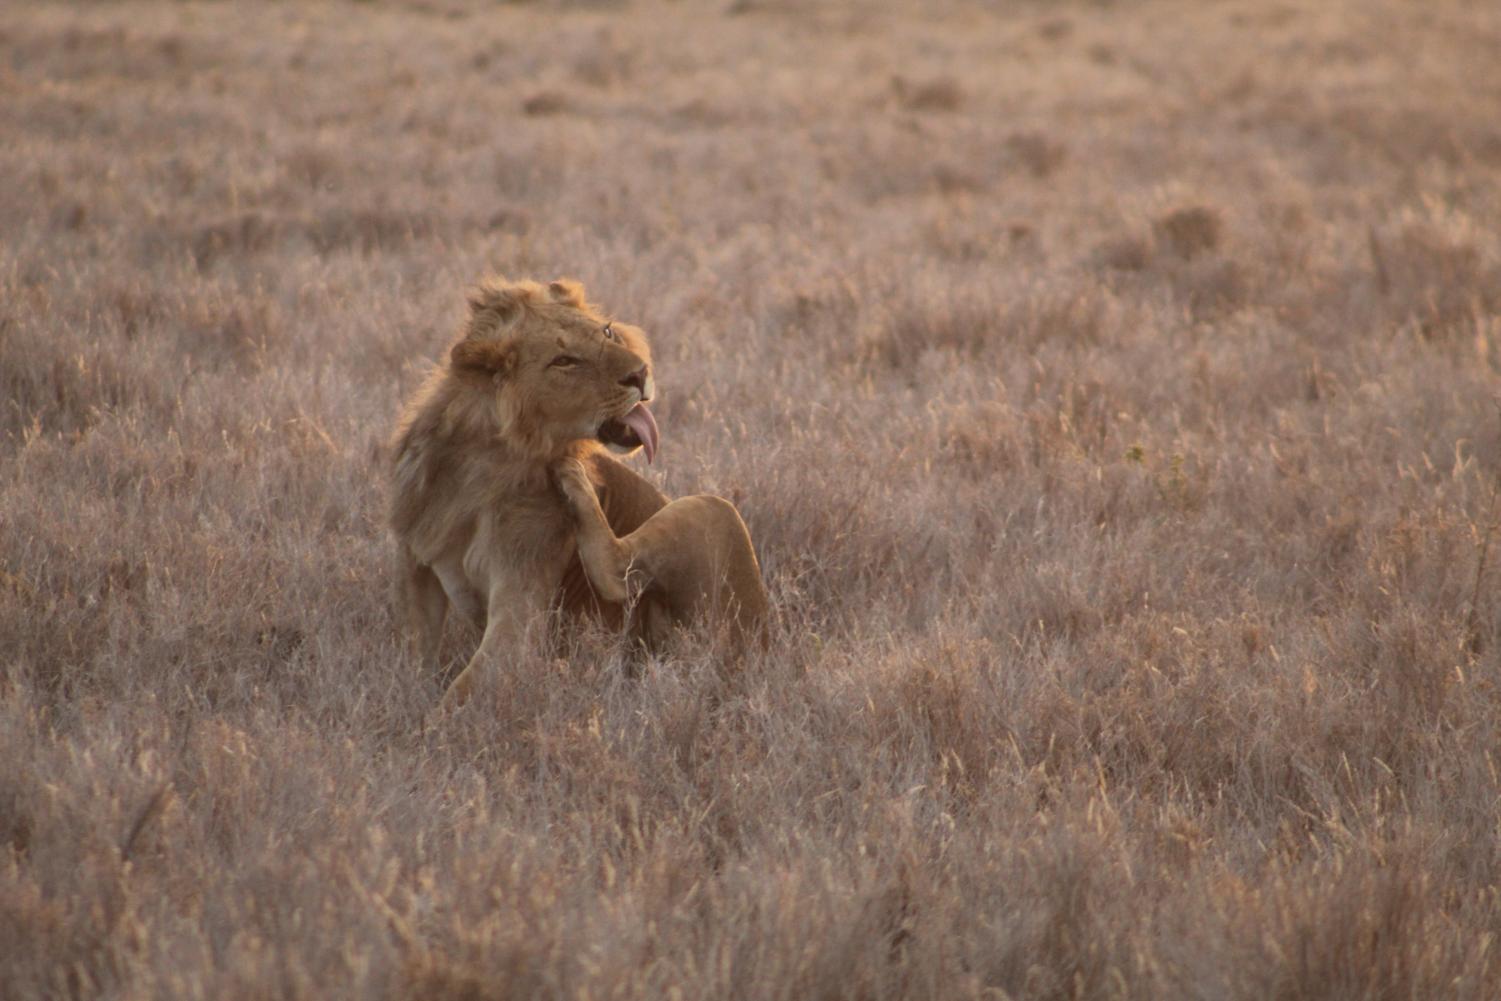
{"points": [[557, 370]]}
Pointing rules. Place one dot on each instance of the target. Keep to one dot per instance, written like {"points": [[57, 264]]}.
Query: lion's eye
{"points": [[610, 332], [563, 361]]}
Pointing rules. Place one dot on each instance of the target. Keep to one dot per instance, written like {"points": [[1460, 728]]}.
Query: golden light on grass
{"points": [[1111, 392]]}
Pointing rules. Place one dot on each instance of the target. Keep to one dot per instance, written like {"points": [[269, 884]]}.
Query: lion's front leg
{"points": [[606, 559], [516, 616], [424, 606]]}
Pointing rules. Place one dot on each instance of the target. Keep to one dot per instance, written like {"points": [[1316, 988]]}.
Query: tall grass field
{"points": [[1112, 390]]}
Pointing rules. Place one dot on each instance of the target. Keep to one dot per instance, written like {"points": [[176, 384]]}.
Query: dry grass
{"points": [[1112, 392]]}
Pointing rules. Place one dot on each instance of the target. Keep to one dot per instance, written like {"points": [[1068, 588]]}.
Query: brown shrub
{"points": [[937, 94], [1038, 152], [1189, 232], [546, 102]]}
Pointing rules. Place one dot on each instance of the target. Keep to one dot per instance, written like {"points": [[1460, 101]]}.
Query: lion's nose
{"points": [[637, 379]]}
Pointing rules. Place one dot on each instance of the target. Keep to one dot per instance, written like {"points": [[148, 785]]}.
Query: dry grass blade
{"points": [[148, 812]]}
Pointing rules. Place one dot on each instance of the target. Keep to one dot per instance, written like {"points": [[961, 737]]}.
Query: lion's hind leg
{"points": [[695, 555]]}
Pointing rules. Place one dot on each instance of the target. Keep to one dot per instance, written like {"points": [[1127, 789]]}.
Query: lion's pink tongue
{"points": [[640, 420]]}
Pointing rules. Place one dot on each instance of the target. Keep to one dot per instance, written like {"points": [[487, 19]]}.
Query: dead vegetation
{"points": [[1112, 391]]}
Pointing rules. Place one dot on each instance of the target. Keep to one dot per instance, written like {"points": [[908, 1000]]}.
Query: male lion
{"points": [[505, 504]]}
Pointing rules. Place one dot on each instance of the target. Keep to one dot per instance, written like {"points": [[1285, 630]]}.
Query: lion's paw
{"points": [[573, 480]]}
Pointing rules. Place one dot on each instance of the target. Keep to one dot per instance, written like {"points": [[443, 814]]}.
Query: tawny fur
{"points": [[694, 557], [481, 526]]}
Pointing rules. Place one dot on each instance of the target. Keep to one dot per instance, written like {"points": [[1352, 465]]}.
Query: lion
{"points": [[507, 503]]}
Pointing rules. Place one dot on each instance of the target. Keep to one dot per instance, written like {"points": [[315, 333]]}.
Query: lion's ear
{"points": [[495, 300], [485, 357], [567, 292]]}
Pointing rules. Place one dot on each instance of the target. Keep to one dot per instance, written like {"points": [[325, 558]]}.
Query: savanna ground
{"points": [[1112, 392]]}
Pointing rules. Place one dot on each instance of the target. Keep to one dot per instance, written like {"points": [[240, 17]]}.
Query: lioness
{"points": [[506, 504]]}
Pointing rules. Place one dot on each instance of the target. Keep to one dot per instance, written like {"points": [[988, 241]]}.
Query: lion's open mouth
{"points": [[636, 427]]}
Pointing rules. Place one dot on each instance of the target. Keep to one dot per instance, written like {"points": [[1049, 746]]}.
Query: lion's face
{"points": [[557, 370]]}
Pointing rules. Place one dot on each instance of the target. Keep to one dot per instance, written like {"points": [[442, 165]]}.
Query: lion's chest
{"points": [[516, 542]]}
